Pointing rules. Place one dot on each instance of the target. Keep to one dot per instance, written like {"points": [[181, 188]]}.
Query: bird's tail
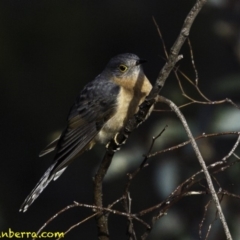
{"points": [[41, 185]]}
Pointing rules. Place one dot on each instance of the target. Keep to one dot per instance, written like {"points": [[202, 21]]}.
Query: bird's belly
{"points": [[127, 106], [108, 132], [111, 127], [124, 111]]}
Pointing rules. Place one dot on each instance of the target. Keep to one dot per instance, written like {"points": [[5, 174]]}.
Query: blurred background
{"points": [[50, 49]]}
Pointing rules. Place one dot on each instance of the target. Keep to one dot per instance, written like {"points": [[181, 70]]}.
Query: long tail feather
{"points": [[41, 185]]}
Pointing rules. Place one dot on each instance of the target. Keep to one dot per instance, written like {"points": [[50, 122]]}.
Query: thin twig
{"points": [[191, 82], [79, 223], [233, 149], [160, 35], [203, 218], [148, 155], [131, 232], [207, 100], [236, 156], [196, 138], [193, 101], [193, 61], [54, 216], [202, 163]]}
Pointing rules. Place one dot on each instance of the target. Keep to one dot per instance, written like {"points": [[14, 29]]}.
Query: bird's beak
{"points": [[140, 61]]}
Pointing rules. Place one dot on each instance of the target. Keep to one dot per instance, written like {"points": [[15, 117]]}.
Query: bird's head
{"points": [[124, 66], [126, 71]]}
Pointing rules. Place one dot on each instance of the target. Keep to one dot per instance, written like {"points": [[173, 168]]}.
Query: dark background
{"points": [[50, 49]]}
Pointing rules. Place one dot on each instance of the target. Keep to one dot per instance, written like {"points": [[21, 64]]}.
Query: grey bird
{"points": [[100, 111]]}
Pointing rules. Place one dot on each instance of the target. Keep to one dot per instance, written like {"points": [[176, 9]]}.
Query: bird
{"points": [[100, 111]]}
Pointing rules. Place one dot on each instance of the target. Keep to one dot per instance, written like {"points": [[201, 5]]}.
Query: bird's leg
{"points": [[119, 139]]}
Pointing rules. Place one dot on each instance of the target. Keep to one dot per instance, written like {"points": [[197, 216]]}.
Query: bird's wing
{"points": [[50, 147], [95, 105]]}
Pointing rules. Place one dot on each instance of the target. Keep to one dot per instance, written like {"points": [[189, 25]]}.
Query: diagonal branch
{"points": [[202, 163]]}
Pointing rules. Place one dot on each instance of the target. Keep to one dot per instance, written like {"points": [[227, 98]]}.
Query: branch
{"points": [[204, 135], [202, 163], [101, 218], [150, 100]]}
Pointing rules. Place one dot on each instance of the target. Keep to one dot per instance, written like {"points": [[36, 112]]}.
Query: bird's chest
{"points": [[127, 106]]}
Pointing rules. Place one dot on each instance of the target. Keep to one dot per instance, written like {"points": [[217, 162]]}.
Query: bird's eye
{"points": [[123, 68]]}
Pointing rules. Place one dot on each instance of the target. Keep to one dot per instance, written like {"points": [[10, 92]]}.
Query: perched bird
{"points": [[99, 113]]}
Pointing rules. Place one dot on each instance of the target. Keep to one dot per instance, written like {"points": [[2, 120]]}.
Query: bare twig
{"points": [[193, 84], [79, 223], [236, 156], [192, 101], [160, 35], [230, 194], [196, 138], [233, 148], [55, 216], [203, 165], [130, 231], [193, 62], [204, 218], [148, 155]]}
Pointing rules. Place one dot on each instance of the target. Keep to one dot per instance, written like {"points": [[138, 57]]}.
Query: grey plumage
{"points": [[100, 111]]}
